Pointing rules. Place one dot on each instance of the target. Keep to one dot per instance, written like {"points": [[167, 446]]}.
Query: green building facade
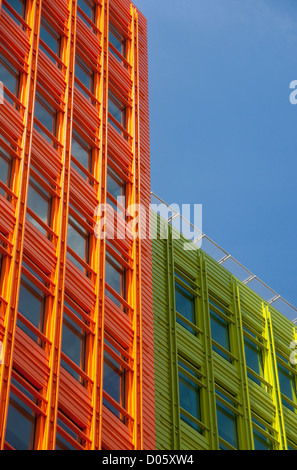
{"points": [[225, 376]]}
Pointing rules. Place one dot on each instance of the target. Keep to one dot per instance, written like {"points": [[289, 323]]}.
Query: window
{"points": [[115, 189], [185, 303], [50, 40], [21, 418], [117, 110], [189, 394], [84, 75], [73, 340], [86, 10], [253, 355], [46, 115], [81, 154], [10, 77], [39, 201], [114, 379], [287, 382], [69, 435], [115, 277], [226, 420], [5, 169], [219, 323], [19, 7], [117, 42], [31, 305], [262, 433], [78, 242]]}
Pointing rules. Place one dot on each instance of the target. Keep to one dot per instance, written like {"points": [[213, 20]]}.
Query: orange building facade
{"points": [[76, 326]]}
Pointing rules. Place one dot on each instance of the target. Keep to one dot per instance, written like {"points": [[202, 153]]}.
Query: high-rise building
{"points": [[75, 307], [110, 339], [225, 359]]}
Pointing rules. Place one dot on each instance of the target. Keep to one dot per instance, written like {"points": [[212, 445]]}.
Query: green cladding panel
{"points": [[224, 374]]}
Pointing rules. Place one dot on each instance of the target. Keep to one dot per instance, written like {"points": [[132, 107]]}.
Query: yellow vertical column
{"points": [[54, 332], [21, 179], [135, 300], [97, 348], [271, 374], [246, 423]]}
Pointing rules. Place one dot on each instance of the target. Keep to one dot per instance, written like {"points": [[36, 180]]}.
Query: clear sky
{"points": [[223, 130]]}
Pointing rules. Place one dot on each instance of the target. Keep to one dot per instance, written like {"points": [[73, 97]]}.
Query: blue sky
{"points": [[223, 131]]}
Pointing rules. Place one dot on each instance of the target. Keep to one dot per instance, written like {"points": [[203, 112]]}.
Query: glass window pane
{"points": [[113, 382], [84, 73], [5, 169], [20, 426], [88, 7], [185, 306], [77, 240], [189, 396], [115, 278], [227, 427], [118, 41], [82, 152], [9, 77], [253, 356], [31, 303], [220, 332], [39, 203], [46, 114], [73, 344], [51, 38], [261, 442], [287, 385]]}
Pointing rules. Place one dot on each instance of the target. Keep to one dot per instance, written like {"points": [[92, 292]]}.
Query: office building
{"points": [[75, 307], [225, 359]]}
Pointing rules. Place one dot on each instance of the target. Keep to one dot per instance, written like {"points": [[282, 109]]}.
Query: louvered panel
{"points": [[7, 217], [74, 400], [56, 10], [115, 435], [85, 113], [10, 121], [117, 229], [119, 76], [119, 147], [87, 42], [82, 193], [50, 77], [117, 324], [45, 156], [13, 37], [120, 16], [39, 249], [30, 359], [79, 287]]}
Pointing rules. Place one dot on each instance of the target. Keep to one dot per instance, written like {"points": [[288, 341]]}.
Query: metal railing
{"points": [[223, 258]]}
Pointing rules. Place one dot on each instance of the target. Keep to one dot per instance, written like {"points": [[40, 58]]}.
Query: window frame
{"points": [[220, 314], [192, 373], [121, 269], [285, 367], [54, 56], [80, 227], [46, 196], [122, 124], [118, 54], [187, 288], [225, 399], [113, 351]]}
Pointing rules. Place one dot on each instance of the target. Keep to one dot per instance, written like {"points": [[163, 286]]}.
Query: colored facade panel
{"points": [[76, 321], [224, 375]]}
